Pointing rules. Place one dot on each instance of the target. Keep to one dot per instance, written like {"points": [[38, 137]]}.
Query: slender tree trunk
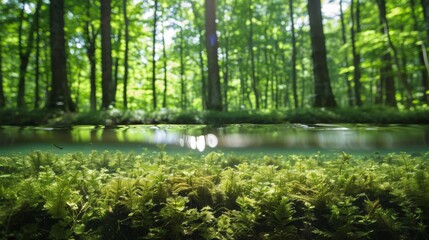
{"points": [[2, 97], [346, 59], [424, 71], [164, 59], [90, 38], [59, 96], [127, 40], [24, 54], [200, 55], [46, 60], [116, 68], [382, 10], [388, 81], [155, 22], [214, 93], [183, 94], [106, 54], [294, 50], [252, 56], [268, 71], [226, 73], [425, 7], [226, 62], [355, 28], [322, 84], [183, 97], [37, 68]]}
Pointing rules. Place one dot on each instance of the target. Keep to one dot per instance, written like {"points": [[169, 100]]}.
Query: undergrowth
{"points": [[160, 196], [112, 117]]}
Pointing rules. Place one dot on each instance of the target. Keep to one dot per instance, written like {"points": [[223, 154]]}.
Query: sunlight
{"points": [[331, 8]]}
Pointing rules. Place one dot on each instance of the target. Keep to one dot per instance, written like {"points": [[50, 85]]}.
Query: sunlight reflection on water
{"points": [[204, 138]]}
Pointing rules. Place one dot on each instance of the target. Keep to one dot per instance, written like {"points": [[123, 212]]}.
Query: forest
{"points": [[227, 55]]}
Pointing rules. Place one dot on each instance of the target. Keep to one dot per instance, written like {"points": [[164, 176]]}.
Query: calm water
{"points": [[241, 138]]}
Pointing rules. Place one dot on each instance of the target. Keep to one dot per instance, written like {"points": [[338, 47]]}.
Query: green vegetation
{"points": [[112, 117], [156, 54], [214, 196]]}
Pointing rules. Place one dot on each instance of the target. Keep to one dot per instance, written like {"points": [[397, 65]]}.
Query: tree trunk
{"points": [[90, 38], [425, 7], [127, 40], [24, 54], [382, 10], [116, 67], [388, 81], [37, 67], [106, 54], [214, 94], [200, 55], [322, 83], [59, 96], [155, 21], [252, 57], [226, 74], [421, 50], [2, 97], [355, 28], [346, 59], [268, 72], [183, 98], [294, 50], [164, 59]]}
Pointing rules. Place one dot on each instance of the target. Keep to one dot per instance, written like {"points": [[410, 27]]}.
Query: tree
{"points": [[2, 97], [106, 55], [90, 36], [322, 83], [294, 75], [425, 6], [355, 29], [127, 41], [424, 62], [346, 58], [155, 21], [214, 95], [37, 68], [24, 52], [386, 72], [200, 54], [252, 55], [59, 95], [386, 30]]}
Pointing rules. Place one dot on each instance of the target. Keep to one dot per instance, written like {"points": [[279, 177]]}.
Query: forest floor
{"points": [[112, 117], [214, 196]]}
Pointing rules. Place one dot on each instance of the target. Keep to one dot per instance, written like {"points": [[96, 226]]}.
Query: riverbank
{"points": [[112, 117]]}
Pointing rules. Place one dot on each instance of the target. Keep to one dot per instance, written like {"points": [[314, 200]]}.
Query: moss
{"points": [[214, 196]]}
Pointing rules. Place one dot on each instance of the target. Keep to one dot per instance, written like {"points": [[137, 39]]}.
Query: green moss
{"points": [[215, 196]]}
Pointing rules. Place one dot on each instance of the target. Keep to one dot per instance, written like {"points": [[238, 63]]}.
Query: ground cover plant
{"points": [[112, 117], [114, 195]]}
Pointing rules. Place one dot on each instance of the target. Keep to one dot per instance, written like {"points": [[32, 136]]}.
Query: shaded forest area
{"points": [[225, 55]]}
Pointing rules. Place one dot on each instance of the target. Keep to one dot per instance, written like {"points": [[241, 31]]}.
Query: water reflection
{"points": [[198, 142], [202, 138]]}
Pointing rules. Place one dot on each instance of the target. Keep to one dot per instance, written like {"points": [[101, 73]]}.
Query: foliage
{"points": [[160, 196], [249, 31], [112, 117]]}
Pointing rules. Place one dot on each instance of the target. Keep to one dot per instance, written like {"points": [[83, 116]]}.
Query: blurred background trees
{"points": [[153, 54]]}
